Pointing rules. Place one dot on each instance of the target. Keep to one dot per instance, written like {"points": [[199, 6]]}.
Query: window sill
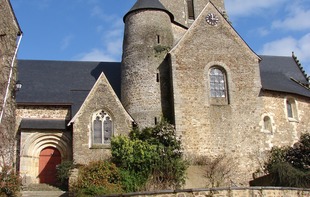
{"points": [[266, 131], [219, 101], [292, 120], [100, 146]]}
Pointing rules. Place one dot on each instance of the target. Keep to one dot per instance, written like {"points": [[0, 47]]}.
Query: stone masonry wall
{"points": [[51, 112], [179, 9], [32, 141], [209, 129], [285, 131], [8, 36], [102, 97], [226, 192], [147, 39]]}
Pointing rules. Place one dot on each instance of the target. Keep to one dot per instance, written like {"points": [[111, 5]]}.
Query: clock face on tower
{"points": [[212, 19]]}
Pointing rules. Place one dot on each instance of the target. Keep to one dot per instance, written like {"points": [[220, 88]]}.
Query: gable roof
{"points": [[108, 91], [69, 82], [282, 74], [196, 22], [30, 123], [63, 82]]}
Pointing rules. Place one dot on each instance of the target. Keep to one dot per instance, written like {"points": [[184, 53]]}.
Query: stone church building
{"points": [[182, 60]]}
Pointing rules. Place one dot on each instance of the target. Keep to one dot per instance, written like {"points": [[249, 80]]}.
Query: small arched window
{"points": [[291, 109], [102, 128], [218, 87], [267, 124]]}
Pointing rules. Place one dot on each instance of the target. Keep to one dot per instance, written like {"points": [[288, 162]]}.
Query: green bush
{"points": [[299, 154], [132, 181], [290, 166], [9, 182], [153, 156], [98, 178], [63, 172], [286, 175]]}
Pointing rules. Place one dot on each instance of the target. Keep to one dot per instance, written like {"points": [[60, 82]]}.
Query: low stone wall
{"points": [[225, 192]]}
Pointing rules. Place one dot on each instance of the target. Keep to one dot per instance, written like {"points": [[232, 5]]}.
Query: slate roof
{"points": [[63, 82], [69, 82], [43, 124], [281, 73], [148, 5]]}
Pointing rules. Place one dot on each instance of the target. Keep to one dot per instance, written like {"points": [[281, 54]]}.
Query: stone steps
{"points": [[36, 190], [44, 194]]}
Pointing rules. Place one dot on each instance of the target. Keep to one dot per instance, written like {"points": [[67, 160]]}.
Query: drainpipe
{"points": [[10, 78]]}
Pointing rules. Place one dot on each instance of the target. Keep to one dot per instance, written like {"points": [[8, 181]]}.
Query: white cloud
{"points": [[262, 31], [285, 46], [96, 55], [99, 13], [113, 38], [249, 7], [282, 46], [297, 19], [111, 43]]}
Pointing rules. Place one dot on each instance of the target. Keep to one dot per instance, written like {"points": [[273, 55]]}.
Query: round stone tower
{"points": [[147, 39]]}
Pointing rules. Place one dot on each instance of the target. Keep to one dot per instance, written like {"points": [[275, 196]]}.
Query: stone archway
{"points": [[33, 146], [49, 158]]}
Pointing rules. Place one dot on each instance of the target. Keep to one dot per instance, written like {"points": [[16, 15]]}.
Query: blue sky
{"points": [[93, 29]]}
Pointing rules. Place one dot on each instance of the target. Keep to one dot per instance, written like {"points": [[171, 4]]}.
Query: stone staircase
{"points": [[42, 190]]}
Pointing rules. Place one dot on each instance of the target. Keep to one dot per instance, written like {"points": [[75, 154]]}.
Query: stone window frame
{"points": [[103, 115], [272, 127], [291, 109], [217, 100], [190, 10]]}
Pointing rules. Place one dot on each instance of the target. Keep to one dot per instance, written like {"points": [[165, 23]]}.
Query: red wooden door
{"points": [[49, 158]]}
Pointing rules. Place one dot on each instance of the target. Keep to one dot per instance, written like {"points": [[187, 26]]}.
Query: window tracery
{"points": [[102, 129]]}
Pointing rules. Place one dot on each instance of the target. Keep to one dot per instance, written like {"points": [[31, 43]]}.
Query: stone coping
{"points": [[205, 189]]}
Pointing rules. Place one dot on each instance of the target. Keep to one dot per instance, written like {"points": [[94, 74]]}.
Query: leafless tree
{"points": [[219, 170]]}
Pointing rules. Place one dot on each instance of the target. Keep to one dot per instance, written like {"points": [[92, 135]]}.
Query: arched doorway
{"points": [[49, 158]]}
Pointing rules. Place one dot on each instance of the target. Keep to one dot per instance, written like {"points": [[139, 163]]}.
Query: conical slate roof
{"points": [[148, 5]]}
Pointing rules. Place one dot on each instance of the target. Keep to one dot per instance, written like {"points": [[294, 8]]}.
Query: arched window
{"points": [[267, 124], [102, 128], [218, 88], [291, 109]]}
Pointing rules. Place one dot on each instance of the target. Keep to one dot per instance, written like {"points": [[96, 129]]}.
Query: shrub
{"points": [[63, 172], [131, 181], [153, 156], [299, 155], [286, 175], [9, 181], [290, 166], [97, 178]]}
